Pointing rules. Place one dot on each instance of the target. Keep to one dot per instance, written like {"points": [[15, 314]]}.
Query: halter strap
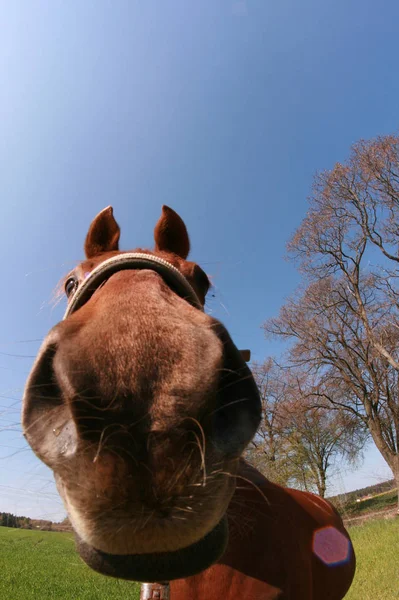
{"points": [[133, 260]]}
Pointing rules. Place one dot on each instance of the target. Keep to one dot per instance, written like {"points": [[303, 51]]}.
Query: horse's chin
{"points": [[161, 566]]}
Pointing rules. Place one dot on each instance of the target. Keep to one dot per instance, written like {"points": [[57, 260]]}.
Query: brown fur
{"points": [[142, 406]]}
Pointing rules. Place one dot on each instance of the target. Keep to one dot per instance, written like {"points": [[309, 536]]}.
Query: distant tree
{"points": [[25, 522], [66, 525], [320, 439], [41, 524], [9, 520], [268, 450], [297, 443]]}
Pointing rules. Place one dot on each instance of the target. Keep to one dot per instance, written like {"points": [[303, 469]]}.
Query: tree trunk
{"points": [[395, 472], [322, 490], [321, 483], [390, 458]]}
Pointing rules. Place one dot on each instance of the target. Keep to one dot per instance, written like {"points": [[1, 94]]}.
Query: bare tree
{"points": [[268, 451], [320, 439], [345, 324]]}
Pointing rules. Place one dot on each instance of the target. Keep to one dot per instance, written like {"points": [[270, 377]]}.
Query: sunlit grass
{"points": [[377, 550], [44, 565]]}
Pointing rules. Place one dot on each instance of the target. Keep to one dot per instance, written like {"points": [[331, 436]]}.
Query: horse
{"points": [[142, 406]]}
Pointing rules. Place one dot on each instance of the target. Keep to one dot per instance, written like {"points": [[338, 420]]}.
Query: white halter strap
{"points": [[133, 260]]}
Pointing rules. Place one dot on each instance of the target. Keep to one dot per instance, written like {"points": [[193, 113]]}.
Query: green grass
{"points": [[377, 550], [43, 565], [379, 502]]}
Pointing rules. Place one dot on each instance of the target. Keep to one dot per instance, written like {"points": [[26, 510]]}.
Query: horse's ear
{"points": [[170, 233], [103, 235]]}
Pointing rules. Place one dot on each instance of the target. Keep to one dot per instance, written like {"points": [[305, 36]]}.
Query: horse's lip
{"points": [[162, 566]]}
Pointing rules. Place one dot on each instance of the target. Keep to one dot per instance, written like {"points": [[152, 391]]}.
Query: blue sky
{"points": [[223, 110]]}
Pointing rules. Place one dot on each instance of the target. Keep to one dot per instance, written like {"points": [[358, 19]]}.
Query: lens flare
{"points": [[331, 546]]}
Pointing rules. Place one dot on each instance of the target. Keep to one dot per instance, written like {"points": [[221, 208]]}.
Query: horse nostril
{"points": [[41, 387], [238, 411], [234, 428], [43, 410]]}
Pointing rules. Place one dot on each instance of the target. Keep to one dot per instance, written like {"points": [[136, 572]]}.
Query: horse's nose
{"points": [[62, 407]]}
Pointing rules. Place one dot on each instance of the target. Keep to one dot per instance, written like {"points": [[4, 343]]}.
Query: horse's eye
{"points": [[71, 285]]}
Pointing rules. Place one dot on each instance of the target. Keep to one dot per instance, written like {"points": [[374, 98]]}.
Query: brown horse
{"points": [[142, 406]]}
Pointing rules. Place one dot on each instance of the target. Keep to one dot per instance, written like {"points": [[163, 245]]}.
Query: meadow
{"points": [[376, 545], [40, 564], [44, 565]]}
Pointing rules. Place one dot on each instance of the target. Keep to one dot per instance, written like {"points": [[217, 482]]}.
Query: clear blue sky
{"points": [[222, 110]]}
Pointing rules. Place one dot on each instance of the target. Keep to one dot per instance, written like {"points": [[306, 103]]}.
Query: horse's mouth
{"points": [[160, 566]]}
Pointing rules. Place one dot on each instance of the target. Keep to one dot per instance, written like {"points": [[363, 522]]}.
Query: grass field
{"points": [[377, 549], [44, 566]]}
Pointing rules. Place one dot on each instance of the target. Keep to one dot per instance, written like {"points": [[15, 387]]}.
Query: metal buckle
{"points": [[155, 591]]}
